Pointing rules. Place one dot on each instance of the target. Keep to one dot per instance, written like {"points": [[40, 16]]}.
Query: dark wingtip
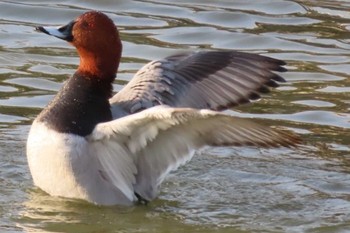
{"points": [[278, 78], [254, 96], [263, 89], [281, 62], [281, 69], [271, 83]]}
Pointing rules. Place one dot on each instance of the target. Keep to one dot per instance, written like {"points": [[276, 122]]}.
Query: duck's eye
{"points": [[85, 25]]}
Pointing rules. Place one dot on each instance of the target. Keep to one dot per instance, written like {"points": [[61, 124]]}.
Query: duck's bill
{"points": [[63, 32]]}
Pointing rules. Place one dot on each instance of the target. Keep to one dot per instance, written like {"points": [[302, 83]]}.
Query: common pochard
{"points": [[108, 150]]}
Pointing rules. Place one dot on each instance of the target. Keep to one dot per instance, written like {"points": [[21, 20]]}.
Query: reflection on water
{"points": [[302, 189]]}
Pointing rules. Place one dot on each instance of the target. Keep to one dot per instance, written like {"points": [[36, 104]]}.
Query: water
{"points": [[304, 189]]}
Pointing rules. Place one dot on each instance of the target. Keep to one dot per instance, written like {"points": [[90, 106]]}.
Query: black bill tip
{"points": [[41, 29]]}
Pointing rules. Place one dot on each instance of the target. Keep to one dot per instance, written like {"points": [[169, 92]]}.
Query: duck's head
{"points": [[97, 40]]}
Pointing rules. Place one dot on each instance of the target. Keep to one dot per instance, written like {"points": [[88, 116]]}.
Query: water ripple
{"points": [[303, 189]]}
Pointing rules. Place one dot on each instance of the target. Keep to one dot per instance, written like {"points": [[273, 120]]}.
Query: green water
{"points": [[304, 189]]}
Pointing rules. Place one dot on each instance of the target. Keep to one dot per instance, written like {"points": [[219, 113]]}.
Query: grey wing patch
{"points": [[215, 80], [149, 87]]}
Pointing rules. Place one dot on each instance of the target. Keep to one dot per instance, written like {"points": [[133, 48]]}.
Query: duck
{"points": [[117, 149]]}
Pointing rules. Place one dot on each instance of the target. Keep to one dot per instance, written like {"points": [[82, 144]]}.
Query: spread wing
{"points": [[213, 80], [145, 146]]}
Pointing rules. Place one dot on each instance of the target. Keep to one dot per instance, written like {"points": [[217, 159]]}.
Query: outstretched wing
{"points": [[147, 145], [213, 80]]}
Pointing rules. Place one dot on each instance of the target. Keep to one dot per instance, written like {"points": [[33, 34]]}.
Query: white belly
{"points": [[62, 165]]}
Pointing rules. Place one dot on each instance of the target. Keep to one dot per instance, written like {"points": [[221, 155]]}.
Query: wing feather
{"points": [[140, 149], [213, 79]]}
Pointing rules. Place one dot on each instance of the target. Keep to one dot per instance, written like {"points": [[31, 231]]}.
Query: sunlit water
{"points": [[304, 189]]}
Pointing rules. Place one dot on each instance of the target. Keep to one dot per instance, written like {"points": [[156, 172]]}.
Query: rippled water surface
{"points": [[304, 189]]}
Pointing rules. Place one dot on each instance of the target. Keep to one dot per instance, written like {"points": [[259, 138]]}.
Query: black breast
{"points": [[79, 106]]}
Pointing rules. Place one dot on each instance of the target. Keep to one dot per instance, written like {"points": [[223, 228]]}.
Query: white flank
{"points": [[63, 165]]}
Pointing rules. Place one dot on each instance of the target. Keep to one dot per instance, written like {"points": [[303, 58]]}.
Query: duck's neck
{"points": [[80, 105], [100, 63]]}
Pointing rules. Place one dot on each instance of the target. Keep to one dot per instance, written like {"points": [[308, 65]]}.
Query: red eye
{"points": [[85, 25]]}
